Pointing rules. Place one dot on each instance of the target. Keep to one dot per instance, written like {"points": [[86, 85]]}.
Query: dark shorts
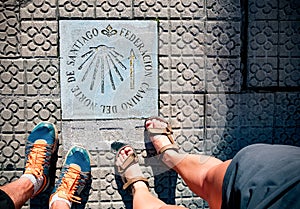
{"points": [[263, 176], [5, 201]]}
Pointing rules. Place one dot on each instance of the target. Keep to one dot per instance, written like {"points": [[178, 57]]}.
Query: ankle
{"points": [[37, 182], [58, 202], [170, 158]]}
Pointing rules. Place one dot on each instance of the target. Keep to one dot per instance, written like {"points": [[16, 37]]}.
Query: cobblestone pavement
{"points": [[229, 76]]}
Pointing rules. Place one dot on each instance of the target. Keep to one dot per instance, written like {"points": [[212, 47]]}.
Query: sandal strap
{"points": [[164, 131], [168, 147], [131, 159], [135, 179]]}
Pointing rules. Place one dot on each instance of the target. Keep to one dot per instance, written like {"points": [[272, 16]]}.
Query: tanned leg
{"points": [[203, 174], [142, 198], [19, 191]]}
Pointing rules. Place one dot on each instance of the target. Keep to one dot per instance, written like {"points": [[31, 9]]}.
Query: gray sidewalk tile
{"points": [[9, 31], [222, 110], [187, 9], [45, 9], [287, 109], [39, 38], [223, 9], [187, 38], [114, 9], [12, 147], [289, 10], [12, 77], [289, 42], [289, 72], [222, 38], [223, 74], [42, 77], [263, 39], [257, 109], [80, 8], [187, 74], [187, 110], [286, 135], [263, 10], [262, 72], [13, 115]]}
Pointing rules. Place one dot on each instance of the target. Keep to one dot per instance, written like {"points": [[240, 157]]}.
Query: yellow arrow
{"points": [[131, 62]]}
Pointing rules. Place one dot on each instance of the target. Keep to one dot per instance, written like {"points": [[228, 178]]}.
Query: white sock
{"points": [[37, 182], [56, 197]]}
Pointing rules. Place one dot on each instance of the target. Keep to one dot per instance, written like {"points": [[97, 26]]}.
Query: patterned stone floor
{"points": [[229, 76]]}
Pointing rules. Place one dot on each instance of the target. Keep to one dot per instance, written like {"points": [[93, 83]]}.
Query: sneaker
{"points": [[41, 144], [75, 176]]}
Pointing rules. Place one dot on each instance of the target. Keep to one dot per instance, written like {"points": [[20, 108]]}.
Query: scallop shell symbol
{"points": [[101, 60]]}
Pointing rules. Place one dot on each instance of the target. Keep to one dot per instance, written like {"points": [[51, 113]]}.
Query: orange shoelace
{"points": [[36, 158], [69, 184]]}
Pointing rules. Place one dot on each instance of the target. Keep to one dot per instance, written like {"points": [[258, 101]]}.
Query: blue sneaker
{"points": [[75, 176], [41, 144]]}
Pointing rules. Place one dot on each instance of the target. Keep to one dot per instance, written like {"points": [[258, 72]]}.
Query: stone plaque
{"points": [[108, 69]]}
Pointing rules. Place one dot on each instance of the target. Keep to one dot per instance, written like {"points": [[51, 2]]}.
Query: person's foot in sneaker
{"points": [[40, 145], [75, 177]]}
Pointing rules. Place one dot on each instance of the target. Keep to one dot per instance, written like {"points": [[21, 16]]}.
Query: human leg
{"points": [[40, 145], [208, 172], [75, 178], [126, 159]]}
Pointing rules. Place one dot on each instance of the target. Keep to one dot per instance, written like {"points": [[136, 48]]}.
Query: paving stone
{"points": [[12, 77], [262, 72], [252, 135], [263, 38], [263, 10], [187, 38], [187, 74], [9, 30], [223, 9], [222, 38], [163, 38], [114, 9], [42, 109], [186, 9], [222, 110], [289, 10], [39, 38], [287, 135], [45, 9], [191, 203], [223, 75], [287, 109], [9, 176], [222, 142], [289, 72], [289, 41], [187, 110], [12, 151], [257, 109], [144, 8], [42, 77], [78, 8], [13, 116]]}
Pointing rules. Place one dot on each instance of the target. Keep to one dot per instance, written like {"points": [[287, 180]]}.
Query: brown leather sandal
{"points": [[163, 131], [130, 160]]}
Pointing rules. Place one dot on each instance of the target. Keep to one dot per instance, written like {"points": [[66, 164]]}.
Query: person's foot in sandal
{"points": [[161, 136], [129, 168]]}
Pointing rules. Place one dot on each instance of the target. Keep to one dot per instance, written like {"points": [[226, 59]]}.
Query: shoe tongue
{"points": [[40, 141], [75, 166]]}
